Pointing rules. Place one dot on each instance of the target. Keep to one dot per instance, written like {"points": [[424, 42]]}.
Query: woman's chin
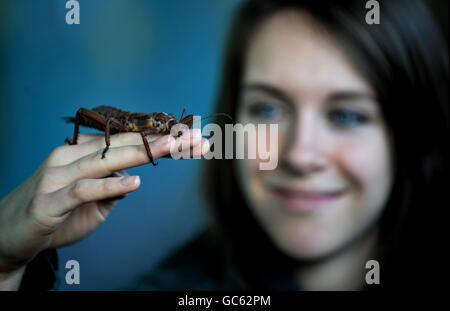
{"points": [[306, 252], [305, 246]]}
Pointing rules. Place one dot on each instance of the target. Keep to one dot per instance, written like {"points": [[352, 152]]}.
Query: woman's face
{"points": [[334, 171]]}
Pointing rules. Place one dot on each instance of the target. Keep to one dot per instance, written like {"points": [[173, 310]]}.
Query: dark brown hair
{"points": [[406, 61]]}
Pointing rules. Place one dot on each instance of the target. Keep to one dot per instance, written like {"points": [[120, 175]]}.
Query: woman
{"points": [[362, 130], [362, 114]]}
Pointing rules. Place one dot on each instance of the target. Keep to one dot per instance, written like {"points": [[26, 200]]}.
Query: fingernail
{"points": [[126, 181], [120, 173], [161, 141]]}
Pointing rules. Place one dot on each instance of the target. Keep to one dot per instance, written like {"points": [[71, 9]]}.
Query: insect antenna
{"points": [[215, 115]]}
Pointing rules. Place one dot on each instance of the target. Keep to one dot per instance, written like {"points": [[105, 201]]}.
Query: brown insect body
{"points": [[153, 123], [112, 120]]}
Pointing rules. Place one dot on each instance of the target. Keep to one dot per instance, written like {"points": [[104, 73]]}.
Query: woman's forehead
{"points": [[292, 50]]}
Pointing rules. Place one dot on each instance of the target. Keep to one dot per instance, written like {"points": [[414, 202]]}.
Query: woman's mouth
{"points": [[303, 200]]}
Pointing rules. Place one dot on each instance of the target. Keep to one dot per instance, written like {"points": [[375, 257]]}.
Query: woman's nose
{"points": [[304, 151]]}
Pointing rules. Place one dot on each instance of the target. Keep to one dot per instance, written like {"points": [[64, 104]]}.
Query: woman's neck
{"points": [[344, 271]]}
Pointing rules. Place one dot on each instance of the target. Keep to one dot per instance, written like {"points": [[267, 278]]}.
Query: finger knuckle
{"points": [[77, 190], [37, 202], [48, 178], [107, 186], [36, 207], [50, 172], [38, 213], [58, 154]]}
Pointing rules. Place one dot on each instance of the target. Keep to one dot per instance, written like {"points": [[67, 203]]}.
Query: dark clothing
{"points": [[41, 272], [196, 266], [200, 265]]}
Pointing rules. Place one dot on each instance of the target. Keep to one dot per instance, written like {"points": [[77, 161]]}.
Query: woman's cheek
{"points": [[366, 162], [354, 160]]}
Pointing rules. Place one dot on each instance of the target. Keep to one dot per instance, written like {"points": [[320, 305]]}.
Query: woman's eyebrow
{"points": [[268, 89], [337, 96], [350, 96]]}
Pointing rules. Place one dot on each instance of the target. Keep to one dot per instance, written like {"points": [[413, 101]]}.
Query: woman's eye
{"points": [[347, 118], [264, 111]]}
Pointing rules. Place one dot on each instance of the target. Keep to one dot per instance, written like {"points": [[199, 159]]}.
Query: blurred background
{"points": [[141, 56]]}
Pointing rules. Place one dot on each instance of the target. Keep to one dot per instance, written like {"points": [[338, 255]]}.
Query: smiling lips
{"points": [[305, 200]]}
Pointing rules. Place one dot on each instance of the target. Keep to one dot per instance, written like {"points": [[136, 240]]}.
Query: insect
{"points": [[112, 120]]}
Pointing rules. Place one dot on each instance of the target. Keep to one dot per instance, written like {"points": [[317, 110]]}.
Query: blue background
{"points": [[142, 56]]}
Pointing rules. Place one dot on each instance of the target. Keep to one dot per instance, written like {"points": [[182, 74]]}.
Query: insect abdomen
{"points": [[111, 112]]}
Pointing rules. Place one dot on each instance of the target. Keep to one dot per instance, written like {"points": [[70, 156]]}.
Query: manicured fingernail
{"points": [[161, 141], [120, 173], [126, 181]]}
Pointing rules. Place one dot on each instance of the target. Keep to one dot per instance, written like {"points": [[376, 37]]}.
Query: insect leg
{"points": [[116, 124], [74, 139], [107, 128], [147, 147], [89, 115]]}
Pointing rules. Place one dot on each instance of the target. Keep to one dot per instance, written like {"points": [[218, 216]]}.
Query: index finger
{"points": [[97, 142], [119, 158]]}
